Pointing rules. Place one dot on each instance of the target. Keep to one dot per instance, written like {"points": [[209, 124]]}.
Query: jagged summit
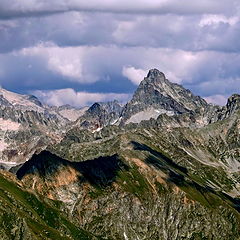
{"points": [[233, 104], [111, 106], [153, 73], [100, 114], [157, 95], [235, 98], [156, 78]]}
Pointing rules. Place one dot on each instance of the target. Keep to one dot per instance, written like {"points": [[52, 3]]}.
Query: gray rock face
{"points": [[217, 113], [157, 93], [233, 105], [34, 99], [108, 107], [100, 115], [26, 125]]}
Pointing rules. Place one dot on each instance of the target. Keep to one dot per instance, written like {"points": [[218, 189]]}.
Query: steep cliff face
{"points": [[232, 106]]}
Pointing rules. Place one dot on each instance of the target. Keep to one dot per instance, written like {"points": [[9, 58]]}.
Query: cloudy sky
{"points": [[79, 52]]}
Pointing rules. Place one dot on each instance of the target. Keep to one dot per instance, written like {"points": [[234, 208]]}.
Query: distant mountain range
{"points": [[166, 165]]}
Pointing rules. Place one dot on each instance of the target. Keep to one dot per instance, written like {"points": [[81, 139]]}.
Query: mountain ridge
{"points": [[25, 115], [164, 166]]}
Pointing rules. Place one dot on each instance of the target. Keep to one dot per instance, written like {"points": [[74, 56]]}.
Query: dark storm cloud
{"points": [[23, 8], [68, 29], [191, 33]]}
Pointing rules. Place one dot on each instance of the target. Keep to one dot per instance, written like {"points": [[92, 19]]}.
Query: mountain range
{"points": [[165, 165]]}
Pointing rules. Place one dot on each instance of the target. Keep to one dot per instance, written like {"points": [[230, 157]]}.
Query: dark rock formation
{"points": [[156, 93]]}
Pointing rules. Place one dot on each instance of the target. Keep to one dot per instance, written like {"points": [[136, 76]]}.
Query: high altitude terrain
{"points": [[163, 166]]}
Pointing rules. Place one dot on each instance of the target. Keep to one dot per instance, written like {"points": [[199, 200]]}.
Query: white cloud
{"points": [[66, 61], [206, 73], [213, 19], [69, 67], [77, 99], [87, 64], [217, 99], [133, 74]]}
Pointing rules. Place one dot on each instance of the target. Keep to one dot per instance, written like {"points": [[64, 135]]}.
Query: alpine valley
{"points": [[164, 166]]}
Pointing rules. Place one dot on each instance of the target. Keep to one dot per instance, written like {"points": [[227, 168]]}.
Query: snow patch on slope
{"points": [[7, 165], [97, 130], [3, 145], [19, 100], [8, 125], [147, 115]]}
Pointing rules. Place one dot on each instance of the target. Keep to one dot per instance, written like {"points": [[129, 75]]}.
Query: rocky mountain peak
{"points": [[157, 95], [34, 99], [19, 101], [108, 107], [235, 98], [94, 109], [154, 73], [100, 114], [233, 104], [155, 78]]}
